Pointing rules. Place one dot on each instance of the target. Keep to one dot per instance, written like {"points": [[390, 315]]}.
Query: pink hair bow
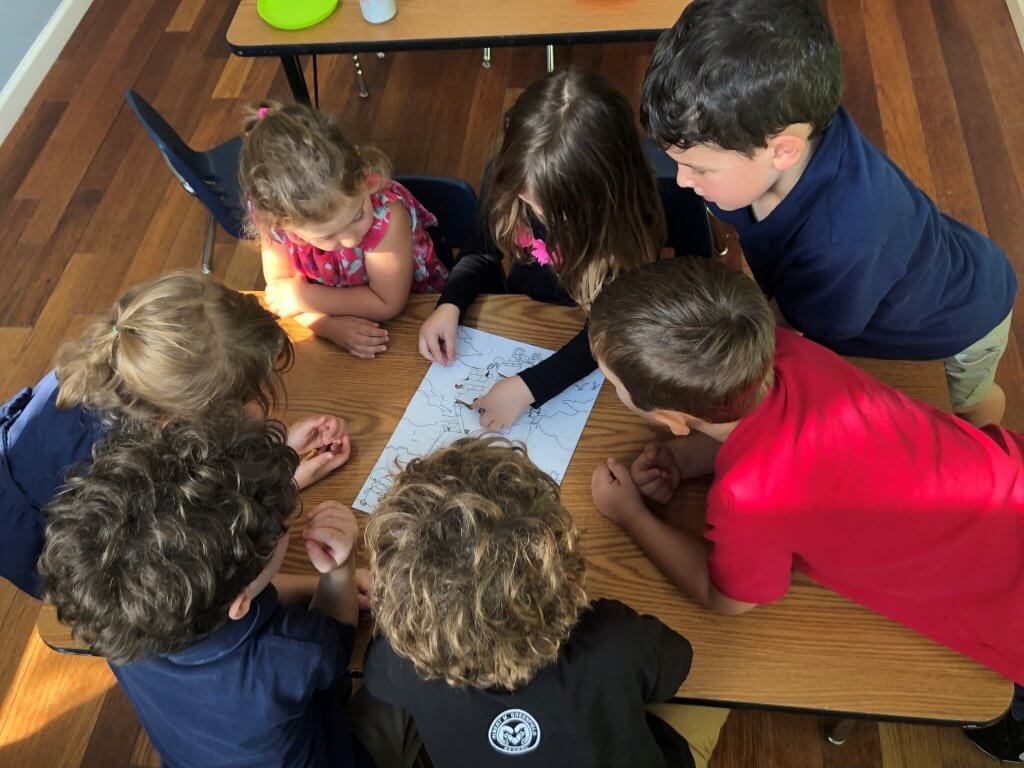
{"points": [[537, 247]]}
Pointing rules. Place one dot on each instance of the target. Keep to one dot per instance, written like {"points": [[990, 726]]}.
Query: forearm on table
{"points": [[361, 301], [560, 371], [694, 454], [337, 596]]}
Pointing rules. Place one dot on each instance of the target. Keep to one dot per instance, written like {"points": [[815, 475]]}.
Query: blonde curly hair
{"points": [[477, 574], [298, 164], [179, 346]]}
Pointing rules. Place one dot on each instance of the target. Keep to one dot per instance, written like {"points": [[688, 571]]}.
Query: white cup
{"points": [[377, 11]]}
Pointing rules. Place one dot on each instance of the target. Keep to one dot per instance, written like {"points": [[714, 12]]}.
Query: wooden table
{"points": [[813, 650], [427, 24]]}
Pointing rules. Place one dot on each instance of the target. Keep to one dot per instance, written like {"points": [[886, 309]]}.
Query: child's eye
{"points": [[699, 172]]}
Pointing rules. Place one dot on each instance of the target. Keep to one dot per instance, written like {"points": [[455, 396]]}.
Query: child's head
{"points": [[737, 89], [571, 155], [175, 347], [169, 534], [685, 339], [301, 172], [477, 573]]}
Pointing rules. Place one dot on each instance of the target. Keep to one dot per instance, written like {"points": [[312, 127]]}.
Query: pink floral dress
{"points": [[346, 267]]}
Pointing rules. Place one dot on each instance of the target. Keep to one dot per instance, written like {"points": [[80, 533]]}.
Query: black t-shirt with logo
{"points": [[586, 710]]}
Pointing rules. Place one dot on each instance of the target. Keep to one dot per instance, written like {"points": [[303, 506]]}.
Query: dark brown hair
{"points": [[570, 143], [298, 164], [175, 347], [687, 334], [147, 547], [477, 573]]}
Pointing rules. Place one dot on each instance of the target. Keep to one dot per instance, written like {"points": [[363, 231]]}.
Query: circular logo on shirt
{"points": [[514, 732]]}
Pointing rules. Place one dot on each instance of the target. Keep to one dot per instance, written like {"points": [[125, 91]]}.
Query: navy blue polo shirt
{"points": [[860, 259], [39, 443], [257, 692]]}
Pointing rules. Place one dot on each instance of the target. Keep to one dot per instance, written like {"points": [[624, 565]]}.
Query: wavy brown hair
{"points": [[175, 347], [689, 335], [570, 144], [147, 547], [298, 164], [477, 574]]}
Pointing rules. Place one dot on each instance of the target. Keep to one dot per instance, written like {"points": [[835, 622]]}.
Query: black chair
{"points": [[211, 176], [455, 205], [686, 215]]}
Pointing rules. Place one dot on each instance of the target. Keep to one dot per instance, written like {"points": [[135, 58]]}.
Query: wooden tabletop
{"points": [[457, 23], [813, 650]]}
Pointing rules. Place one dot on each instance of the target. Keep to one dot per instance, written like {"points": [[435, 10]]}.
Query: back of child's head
{"points": [[571, 145], [174, 347], [733, 73], [688, 335], [477, 573], [298, 165], [147, 547]]}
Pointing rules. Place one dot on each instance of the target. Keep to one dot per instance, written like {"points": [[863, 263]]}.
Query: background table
{"points": [[424, 24], [813, 650]]}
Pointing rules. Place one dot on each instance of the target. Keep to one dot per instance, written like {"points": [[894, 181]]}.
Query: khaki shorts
{"points": [[700, 726], [969, 374]]}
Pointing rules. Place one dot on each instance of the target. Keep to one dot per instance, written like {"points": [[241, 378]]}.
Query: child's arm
{"points": [[330, 543], [659, 469], [322, 443], [389, 268], [277, 265], [680, 556]]}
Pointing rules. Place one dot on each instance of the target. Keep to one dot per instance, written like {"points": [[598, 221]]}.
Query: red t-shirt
{"points": [[907, 510]]}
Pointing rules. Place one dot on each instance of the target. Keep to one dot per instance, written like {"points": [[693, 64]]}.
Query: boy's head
{"points": [[167, 535], [477, 573], [685, 340], [737, 88]]}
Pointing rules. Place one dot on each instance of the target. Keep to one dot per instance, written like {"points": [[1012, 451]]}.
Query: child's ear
{"points": [[786, 149], [674, 420], [239, 607]]}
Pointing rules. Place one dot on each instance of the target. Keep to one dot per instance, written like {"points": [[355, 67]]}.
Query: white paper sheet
{"points": [[433, 418]]}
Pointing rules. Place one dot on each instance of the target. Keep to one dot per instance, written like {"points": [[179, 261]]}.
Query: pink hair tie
{"points": [[536, 247], [262, 112]]}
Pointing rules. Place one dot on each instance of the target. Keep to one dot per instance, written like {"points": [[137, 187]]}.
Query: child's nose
{"points": [[683, 177]]}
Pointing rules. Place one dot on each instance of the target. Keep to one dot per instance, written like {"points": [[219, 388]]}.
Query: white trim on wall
{"points": [[1017, 14], [18, 91]]}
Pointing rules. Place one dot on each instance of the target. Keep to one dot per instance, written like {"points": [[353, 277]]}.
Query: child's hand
{"points": [[655, 473], [359, 337], [615, 494], [364, 582], [328, 436], [438, 334], [331, 536], [503, 405], [285, 297]]}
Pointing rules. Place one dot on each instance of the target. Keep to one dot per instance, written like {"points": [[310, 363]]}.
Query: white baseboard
{"points": [[18, 91], [1017, 14]]}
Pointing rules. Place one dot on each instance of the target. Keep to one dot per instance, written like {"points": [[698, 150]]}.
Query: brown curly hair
{"points": [[477, 574], [298, 163], [178, 346], [571, 143], [147, 547]]}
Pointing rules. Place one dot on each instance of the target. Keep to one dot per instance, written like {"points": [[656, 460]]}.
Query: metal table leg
{"points": [[296, 80]]}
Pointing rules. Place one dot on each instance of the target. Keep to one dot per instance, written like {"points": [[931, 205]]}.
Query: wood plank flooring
{"points": [[88, 207]]}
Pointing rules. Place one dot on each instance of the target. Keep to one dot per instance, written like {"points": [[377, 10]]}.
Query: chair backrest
{"points": [[210, 176], [455, 205], [686, 215]]}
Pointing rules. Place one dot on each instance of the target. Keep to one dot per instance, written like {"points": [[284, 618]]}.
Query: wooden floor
{"points": [[87, 207]]}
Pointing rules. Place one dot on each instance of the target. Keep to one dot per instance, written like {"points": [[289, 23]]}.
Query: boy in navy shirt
{"points": [[162, 557], [744, 95]]}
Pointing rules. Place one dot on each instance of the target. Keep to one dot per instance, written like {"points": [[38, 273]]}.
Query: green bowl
{"points": [[294, 14]]}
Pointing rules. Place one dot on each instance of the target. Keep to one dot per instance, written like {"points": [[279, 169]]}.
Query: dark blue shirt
{"points": [[257, 692], [39, 443], [860, 259]]}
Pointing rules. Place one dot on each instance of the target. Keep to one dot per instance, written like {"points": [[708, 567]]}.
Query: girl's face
{"points": [[346, 229]]}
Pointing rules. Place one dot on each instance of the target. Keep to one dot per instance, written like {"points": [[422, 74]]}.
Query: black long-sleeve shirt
{"points": [[482, 273]]}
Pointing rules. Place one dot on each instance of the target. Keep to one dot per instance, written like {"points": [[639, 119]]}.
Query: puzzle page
{"points": [[434, 418]]}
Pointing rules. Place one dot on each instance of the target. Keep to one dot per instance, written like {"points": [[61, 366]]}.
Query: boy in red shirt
{"points": [[818, 467]]}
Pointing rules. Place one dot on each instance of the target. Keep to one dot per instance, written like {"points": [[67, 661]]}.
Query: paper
{"points": [[433, 418]]}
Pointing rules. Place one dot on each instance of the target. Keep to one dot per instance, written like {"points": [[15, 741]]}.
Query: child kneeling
{"points": [[162, 556], [488, 639]]}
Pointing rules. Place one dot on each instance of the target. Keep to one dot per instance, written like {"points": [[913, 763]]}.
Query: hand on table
{"points": [[358, 336], [615, 494], [331, 536], [656, 473], [503, 405], [328, 436], [438, 334]]}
